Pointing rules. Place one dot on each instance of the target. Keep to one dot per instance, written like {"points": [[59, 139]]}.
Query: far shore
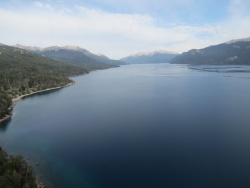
{"points": [[7, 117]]}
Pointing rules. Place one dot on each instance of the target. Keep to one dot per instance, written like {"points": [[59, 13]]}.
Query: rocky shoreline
{"points": [[40, 184], [5, 118], [8, 117]]}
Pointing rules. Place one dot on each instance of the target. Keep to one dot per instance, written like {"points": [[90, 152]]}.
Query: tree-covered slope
{"points": [[75, 55], [5, 103], [236, 52], [15, 172], [22, 72]]}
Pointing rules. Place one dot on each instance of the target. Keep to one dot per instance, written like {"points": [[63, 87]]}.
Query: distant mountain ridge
{"points": [[160, 56], [234, 52], [75, 55]]}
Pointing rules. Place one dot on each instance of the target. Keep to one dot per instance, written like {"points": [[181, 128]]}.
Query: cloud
{"points": [[41, 5], [114, 34]]}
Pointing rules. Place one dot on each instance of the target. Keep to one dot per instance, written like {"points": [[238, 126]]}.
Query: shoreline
{"points": [[5, 118], [15, 100], [49, 89]]}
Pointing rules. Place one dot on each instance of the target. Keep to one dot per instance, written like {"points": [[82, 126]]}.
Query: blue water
{"points": [[139, 126]]}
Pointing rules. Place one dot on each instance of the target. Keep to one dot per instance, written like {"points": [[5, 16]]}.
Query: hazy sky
{"points": [[118, 28]]}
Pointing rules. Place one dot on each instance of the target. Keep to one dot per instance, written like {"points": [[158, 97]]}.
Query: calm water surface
{"points": [[139, 126]]}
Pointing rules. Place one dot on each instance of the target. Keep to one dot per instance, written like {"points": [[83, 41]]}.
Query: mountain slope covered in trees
{"points": [[75, 55], [23, 72], [235, 52], [15, 172]]}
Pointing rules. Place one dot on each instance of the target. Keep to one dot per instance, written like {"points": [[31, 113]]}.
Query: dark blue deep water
{"points": [[139, 126]]}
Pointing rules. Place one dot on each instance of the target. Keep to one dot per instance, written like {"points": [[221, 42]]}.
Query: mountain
{"points": [[234, 52], [105, 59], [23, 72], [28, 48], [161, 56], [75, 55]]}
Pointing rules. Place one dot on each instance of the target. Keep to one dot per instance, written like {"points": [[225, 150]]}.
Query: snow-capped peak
{"points": [[101, 55], [29, 48], [154, 53], [238, 40], [75, 48], [67, 47]]}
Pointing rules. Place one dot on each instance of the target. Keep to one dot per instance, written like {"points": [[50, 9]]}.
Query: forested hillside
{"points": [[235, 52], [15, 172], [22, 72], [76, 56]]}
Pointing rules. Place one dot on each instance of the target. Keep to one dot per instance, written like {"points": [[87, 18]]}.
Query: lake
{"points": [[139, 126]]}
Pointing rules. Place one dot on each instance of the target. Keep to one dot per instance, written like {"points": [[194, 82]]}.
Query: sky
{"points": [[118, 28]]}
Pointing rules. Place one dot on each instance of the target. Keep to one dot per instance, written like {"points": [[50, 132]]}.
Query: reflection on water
{"points": [[4, 126]]}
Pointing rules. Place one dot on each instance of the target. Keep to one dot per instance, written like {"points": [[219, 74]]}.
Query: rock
{"points": [[40, 184]]}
